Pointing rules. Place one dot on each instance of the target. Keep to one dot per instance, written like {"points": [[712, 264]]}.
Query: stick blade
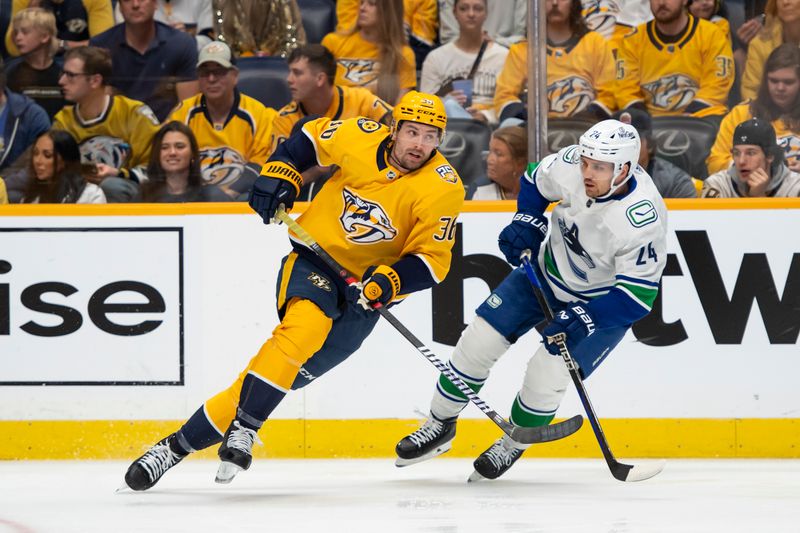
{"points": [[640, 472], [549, 433]]}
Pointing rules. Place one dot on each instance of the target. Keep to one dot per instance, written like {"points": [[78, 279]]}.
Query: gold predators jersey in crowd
{"points": [[579, 73], [369, 213], [420, 17], [225, 150], [668, 77], [120, 137], [348, 102], [358, 62]]}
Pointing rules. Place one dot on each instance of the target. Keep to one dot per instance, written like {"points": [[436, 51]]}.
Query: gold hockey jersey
{"points": [[579, 72], [720, 157], [358, 62], [420, 17], [120, 137], [348, 102], [244, 138], [369, 213], [668, 77]]}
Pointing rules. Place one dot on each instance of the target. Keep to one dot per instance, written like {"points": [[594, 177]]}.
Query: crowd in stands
{"points": [[139, 100]]}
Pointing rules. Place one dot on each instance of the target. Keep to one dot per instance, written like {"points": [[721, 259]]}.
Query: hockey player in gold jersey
{"points": [[388, 216], [312, 70], [675, 64]]}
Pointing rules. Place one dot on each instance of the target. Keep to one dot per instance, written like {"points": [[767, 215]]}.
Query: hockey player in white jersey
{"points": [[600, 268]]}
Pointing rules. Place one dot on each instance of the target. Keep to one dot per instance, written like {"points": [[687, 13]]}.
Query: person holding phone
{"points": [[781, 25], [464, 72]]}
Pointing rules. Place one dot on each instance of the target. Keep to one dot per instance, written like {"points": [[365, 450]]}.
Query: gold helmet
{"points": [[424, 108]]}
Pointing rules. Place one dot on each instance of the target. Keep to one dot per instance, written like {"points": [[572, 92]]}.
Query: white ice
{"points": [[318, 496]]}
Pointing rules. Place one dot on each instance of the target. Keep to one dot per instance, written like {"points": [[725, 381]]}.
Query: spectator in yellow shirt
{"points": [[782, 26]]}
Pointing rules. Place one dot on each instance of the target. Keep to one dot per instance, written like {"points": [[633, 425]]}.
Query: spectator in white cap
{"points": [[232, 130], [758, 168]]}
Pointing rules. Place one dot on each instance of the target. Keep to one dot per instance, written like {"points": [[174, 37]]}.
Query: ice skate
{"points": [[236, 451], [145, 471], [434, 438], [494, 462]]}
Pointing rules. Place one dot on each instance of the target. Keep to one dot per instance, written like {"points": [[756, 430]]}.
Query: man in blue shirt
{"points": [[153, 62]]}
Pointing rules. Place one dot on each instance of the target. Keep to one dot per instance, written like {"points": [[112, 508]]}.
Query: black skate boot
{"points": [[236, 451], [148, 469], [494, 462], [434, 438]]}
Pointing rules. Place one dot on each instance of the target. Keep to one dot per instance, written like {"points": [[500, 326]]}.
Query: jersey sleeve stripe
{"points": [[640, 295], [638, 281]]}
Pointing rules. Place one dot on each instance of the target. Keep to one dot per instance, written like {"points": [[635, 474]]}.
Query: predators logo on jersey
{"points": [[365, 222], [360, 71], [111, 151], [601, 16], [671, 93], [571, 95], [791, 146], [221, 166]]}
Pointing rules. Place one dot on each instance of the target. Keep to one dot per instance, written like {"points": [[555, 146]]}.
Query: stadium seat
{"points": [[463, 146], [685, 142], [264, 78], [319, 18], [563, 132]]}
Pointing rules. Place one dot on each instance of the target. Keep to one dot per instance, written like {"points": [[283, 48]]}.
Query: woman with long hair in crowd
{"points": [[777, 101], [507, 159], [374, 53], [174, 169], [55, 173]]}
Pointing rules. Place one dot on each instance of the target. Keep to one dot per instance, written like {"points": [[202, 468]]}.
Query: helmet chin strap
{"points": [[614, 188]]}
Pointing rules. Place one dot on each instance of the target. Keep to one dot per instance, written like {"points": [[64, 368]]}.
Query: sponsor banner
{"points": [[91, 306], [720, 343]]}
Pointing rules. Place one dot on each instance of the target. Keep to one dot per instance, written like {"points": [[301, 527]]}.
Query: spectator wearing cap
{"points": [[670, 180], [757, 170], [233, 130], [21, 122], [153, 62]]}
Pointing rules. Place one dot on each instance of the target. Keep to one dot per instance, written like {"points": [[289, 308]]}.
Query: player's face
{"points": [[413, 145], [558, 11], [216, 81], [175, 153], [597, 176], [749, 158], [137, 11], [302, 79], [44, 158], [27, 38], [74, 82], [368, 14], [501, 167], [703, 9], [783, 85], [470, 14], [666, 11]]}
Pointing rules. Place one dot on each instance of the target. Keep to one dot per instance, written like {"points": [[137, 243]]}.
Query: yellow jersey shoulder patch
{"points": [[368, 126], [447, 173]]}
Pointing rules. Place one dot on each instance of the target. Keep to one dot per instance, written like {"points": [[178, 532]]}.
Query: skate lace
{"points": [[502, 453], [242, 438], [429, 431], [158, 460]]}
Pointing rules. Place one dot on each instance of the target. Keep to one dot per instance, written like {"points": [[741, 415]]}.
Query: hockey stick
{"points": [[519, 434], [620, 471]]}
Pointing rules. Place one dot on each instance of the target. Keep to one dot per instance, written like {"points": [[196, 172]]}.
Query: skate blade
{"points": [[444, 448], [475, 476], [226, 472], [123, 488]]}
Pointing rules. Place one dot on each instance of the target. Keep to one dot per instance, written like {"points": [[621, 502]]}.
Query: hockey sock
{"points": [[448, 401], [257, 401], [196, 434], [525, 416]]}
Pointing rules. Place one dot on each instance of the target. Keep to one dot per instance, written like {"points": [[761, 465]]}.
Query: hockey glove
{"points": [[575, 321], [380, 286], [279, 183], [526, 232]]}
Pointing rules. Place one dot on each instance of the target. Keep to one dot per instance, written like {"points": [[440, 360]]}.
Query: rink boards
{"points": [[116, 322]]}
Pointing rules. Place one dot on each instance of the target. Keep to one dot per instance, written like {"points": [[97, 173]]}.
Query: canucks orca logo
{"points": [[365, 221], [360, 71], [671, 93], [569, 95], [791, 146], [221, 166], [573, 245], [104, 149]]}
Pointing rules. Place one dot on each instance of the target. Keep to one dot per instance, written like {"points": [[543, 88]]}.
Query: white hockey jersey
{"points": [[609, 253]]}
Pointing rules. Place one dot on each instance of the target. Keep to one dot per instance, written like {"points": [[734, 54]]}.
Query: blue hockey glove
{"points": [[279, 183], [526, 232], [380, 285], [575, 321]]}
